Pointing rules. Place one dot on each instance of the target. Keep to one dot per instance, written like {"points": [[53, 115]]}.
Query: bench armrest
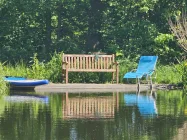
{"points": [[65, 63], [115, 63]]}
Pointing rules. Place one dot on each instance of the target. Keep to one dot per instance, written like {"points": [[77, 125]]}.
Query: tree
{"points": [[179, 29]]}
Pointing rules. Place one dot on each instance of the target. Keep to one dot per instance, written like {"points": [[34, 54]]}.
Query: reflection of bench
{"points": [[94, 107], [89, 63]]}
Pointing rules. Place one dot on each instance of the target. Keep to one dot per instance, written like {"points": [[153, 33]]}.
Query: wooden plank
{"points": [[84, 60], [80, 62], [95, 63], [91, 70], [85, 55], [104, 63], [107, 62], [67, 60], [87, 63], [92, 63], [110, 61], [63, 64], [70, 62], [113, 60], [98, 63], [101, 63], [75, 62]]}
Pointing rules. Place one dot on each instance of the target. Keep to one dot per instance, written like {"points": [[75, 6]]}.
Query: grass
{"points": [[19, 69], [4, 89], [168, 74]]}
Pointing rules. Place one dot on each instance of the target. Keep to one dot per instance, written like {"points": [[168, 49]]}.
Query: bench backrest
{"points": [[89, 63]]}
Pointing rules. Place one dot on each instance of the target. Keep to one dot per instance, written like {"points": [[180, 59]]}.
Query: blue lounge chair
{"points": [[146, 68]]}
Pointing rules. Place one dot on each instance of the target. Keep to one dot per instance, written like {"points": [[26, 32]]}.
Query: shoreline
{"points": [[79, 87]]}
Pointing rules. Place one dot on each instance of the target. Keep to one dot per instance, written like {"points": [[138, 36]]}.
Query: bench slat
{"points": [[80, 58], [92, 61]]}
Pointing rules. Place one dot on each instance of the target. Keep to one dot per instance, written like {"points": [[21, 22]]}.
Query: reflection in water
{"points": [[90, 107], [26, 99], [146, 103], [182, 133], [94, 116]]}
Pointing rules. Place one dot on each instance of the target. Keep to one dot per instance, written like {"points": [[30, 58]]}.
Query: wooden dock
{"points": [[77, 88]]}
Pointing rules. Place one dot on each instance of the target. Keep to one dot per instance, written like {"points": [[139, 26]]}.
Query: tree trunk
{"points": [[59, 14], [48, 28], [94, 25]]}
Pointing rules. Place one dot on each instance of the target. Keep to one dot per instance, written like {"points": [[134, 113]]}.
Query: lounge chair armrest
{"points": [[133, 70], [155, 74], [151, 71]]}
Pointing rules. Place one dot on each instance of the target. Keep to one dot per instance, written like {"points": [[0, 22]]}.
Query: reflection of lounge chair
{"points": [[146, 68], [145, 103]]}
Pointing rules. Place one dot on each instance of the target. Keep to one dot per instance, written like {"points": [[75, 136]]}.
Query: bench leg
{"points": [[63, 75], [113, 77], [66, 77], [138, 82], [117, 75]]}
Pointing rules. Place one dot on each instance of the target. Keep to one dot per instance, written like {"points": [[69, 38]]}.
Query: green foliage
{"points": [[163, 38], [168, 74], [126, 28], [182, 70], [162, 47], [51, 70], [85, 77]]}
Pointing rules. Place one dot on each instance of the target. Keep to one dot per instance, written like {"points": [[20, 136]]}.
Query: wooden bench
{"points": [[89, 63]]}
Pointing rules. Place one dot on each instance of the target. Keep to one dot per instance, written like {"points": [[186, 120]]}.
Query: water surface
{"points": [[160, 115]]}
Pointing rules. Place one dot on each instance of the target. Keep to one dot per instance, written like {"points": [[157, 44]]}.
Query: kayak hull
{"points": [[24, 82]]}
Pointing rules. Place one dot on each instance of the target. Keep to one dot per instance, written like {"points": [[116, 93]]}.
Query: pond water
{"points": [[160, 115]]}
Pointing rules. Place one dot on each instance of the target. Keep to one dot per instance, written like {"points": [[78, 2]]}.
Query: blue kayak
{"points": [[22, 82]]}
